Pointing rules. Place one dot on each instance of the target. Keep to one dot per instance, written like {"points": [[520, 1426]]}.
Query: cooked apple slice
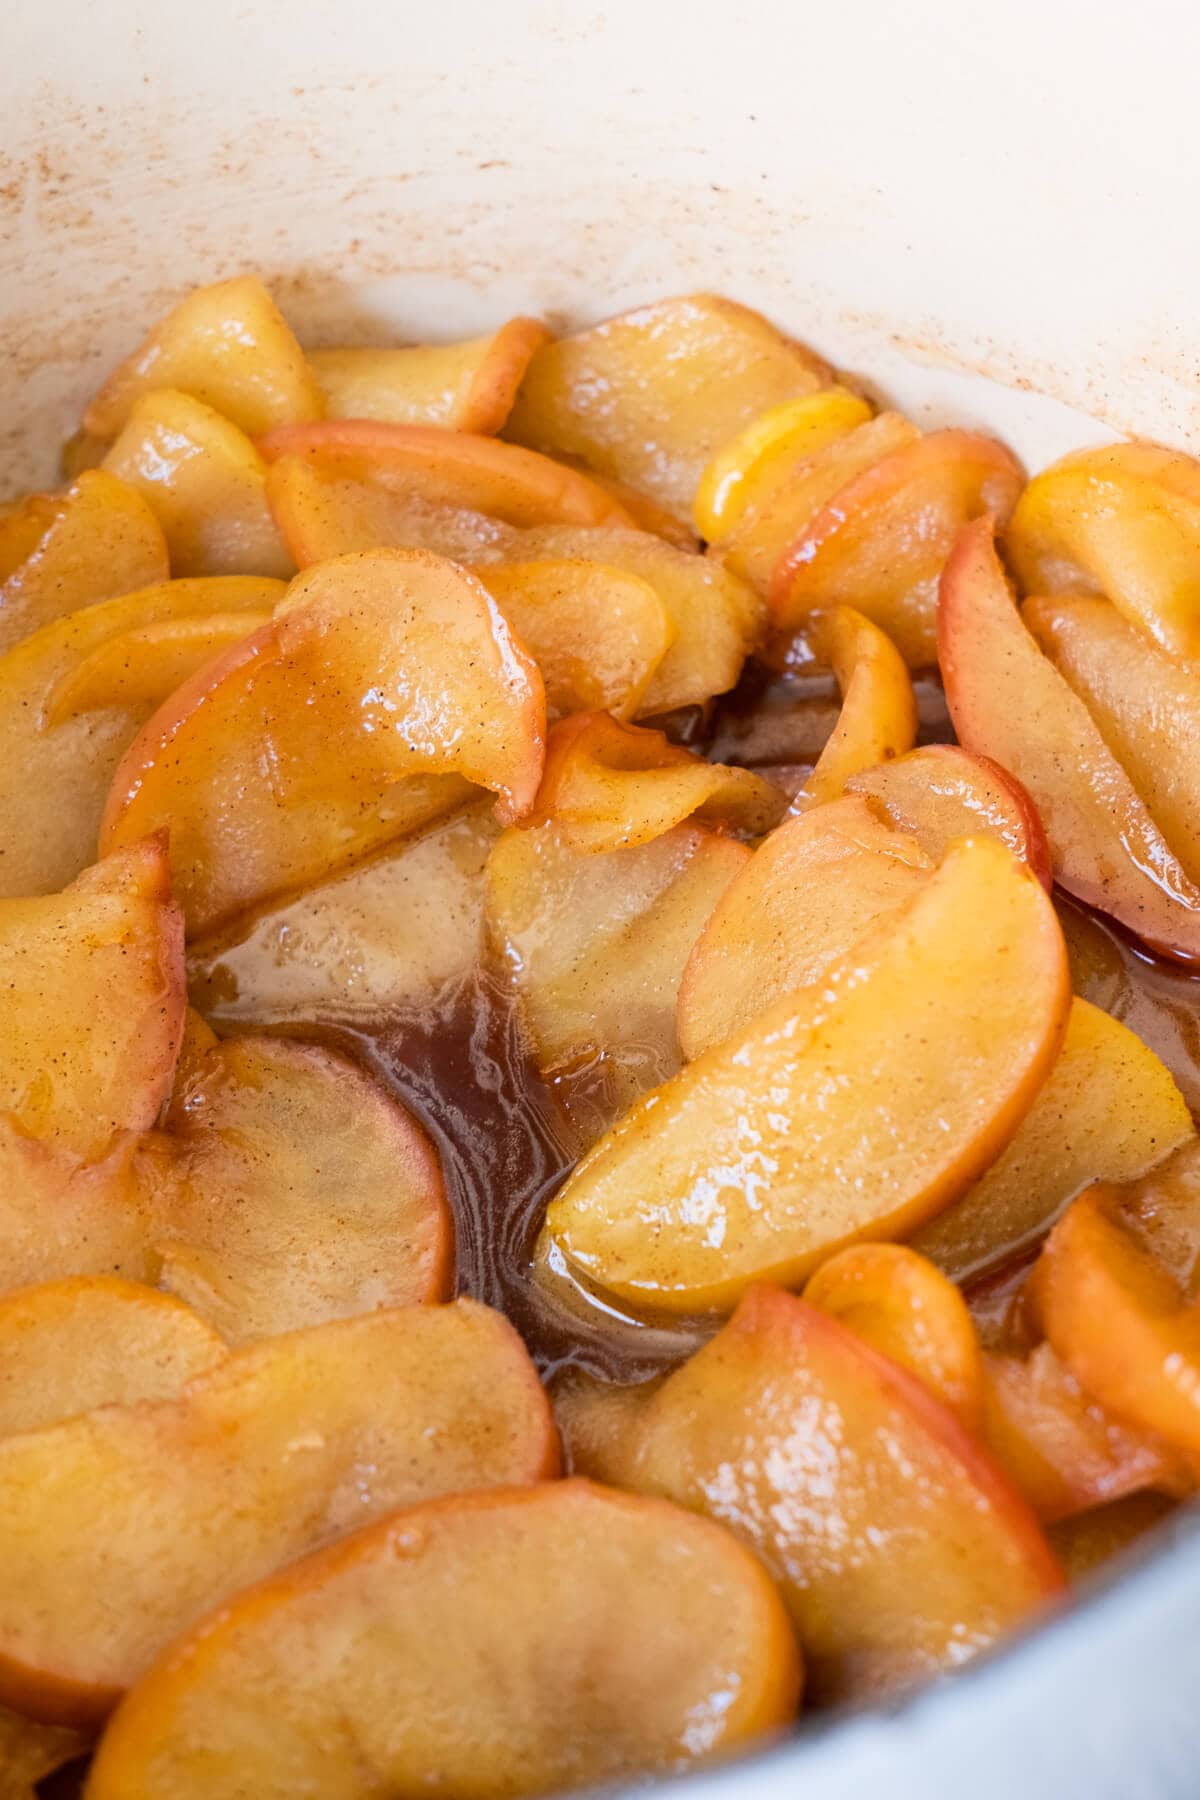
{"points": [[94, 1002], [803, 1132], [814, 887], [393, 934], [609, 786], [596, 633], [100, 540], [878, 719], [1109, 1112], [61, 1217], [650, 395], [1123, 521], [1060, 1446], [123, 1526], [469, 386], [60, 762], [899, 1548], [1086, 1542], [941, 792], [141, 668], [904, 1307], [29, 1752], [754, 462], [1145, 703], [383, 681], [644, 513], [880, 543], [1119, 1320], [205, 483], [287, 1188], [1009, 702], [769, 526], [595, 946], [95, 1340], [24, 522], [1163, 1211], [227, 345], [584, 1636]]}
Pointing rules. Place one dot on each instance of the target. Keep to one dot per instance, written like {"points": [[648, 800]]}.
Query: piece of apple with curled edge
{"points": [[941, 792], [898, 1546], [804, 1132], [1010, 703], [878, 717], [72, 699], [466, 386], [586, 1636], [386, 682], [610, 786], [754, 462]]}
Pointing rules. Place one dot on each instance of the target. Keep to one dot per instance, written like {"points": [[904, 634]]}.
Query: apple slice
{"points": [[649, 396], [941, 792], [469, 386], [880, 543], [1120, 1321], [595, 946], [805, 1131], [757, 460], [141, 668], [584, 1636], [1109, 1112], [383, 681], [1060, 1447], [596, 633], [24, 522], [61, 1217], [205, 483], [1162, 1209], [1123, 521], [878, 719], [125, 1525], [100, 540], [288, 1188], [94, 991], [1145, 703], [1084, 1543], [61, 762], [813, 888], [904, 1307], [797, 493], [899, 1548], [392, 935], [609, 786], [227, 345], [95, 1340], [1009, 702]]}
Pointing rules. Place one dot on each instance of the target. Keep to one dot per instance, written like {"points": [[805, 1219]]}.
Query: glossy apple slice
{"points": [[597, 633], [1009, 702], [392, 935], [904, 1307], [59, 761], [650, 395], [770, 525], [1123, 521], [1145, 703], [810, 892], [384, 680], [803, 1132], [941, 792], [23, 524], [754, 462], [227, 345], [595, 946], [1120, 1321], [583, 1635], [880, 543], [1109, 1112], [93, 988], [1060, 1446], [205, 483], [123, 1526], [609, 786], [100, 540], [95, 1340], [141, 668], [878, 718], [898, 1546], [468, 386]]}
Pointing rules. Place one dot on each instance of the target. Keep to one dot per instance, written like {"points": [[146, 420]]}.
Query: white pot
{"points": [[990, 210]]}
